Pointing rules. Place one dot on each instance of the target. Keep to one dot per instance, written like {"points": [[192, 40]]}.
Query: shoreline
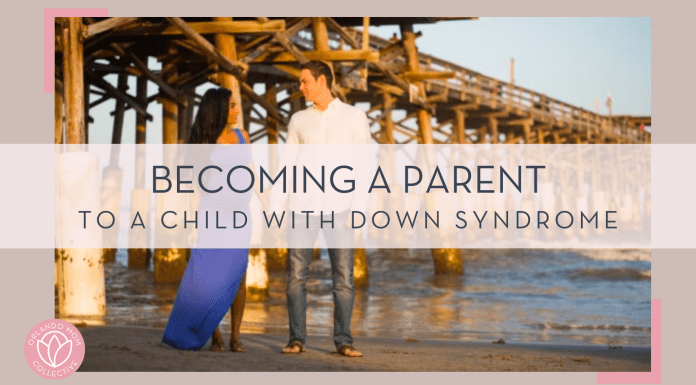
{"points": [[131, 348]]}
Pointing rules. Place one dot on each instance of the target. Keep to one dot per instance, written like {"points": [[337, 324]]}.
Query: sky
{"points": [[575, 60]]}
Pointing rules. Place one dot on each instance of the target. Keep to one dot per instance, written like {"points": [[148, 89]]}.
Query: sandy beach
{"points": [[129, 348]]}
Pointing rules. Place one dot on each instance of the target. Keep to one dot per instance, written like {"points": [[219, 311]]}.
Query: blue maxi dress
{"points": [[212, 276]]}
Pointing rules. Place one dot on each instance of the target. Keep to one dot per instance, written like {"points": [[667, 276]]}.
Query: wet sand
{"points": [[135, 349]]}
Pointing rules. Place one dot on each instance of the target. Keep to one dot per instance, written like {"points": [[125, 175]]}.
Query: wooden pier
{"points": [[410, 96]]}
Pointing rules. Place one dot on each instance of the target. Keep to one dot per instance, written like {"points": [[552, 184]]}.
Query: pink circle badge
{"points": [[54, 349]]}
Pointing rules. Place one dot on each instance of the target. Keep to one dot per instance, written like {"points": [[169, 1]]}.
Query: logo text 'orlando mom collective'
{"points": [[54, 348]]}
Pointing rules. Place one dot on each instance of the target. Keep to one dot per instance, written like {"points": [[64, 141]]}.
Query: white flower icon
{"points": [[56, 351]]}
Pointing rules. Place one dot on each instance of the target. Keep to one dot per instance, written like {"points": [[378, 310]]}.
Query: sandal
{"points": [[349, 351], [294, 347]]}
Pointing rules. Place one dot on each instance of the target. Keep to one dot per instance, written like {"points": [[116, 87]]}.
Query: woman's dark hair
{"points": [[211, 118]]}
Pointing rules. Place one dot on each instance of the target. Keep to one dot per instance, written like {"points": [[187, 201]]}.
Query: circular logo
{"points": [[54, 349]]}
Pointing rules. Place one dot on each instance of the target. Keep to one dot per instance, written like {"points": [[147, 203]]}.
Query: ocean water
{"points": [[599, 297]]}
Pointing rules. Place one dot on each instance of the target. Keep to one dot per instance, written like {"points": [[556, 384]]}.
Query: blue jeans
{"points": [[343, 289]]}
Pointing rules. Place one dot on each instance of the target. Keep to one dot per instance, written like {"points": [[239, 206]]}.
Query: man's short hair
{"points": [[318, 68]]}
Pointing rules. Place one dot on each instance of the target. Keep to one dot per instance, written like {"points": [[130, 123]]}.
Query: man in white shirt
{"points": [[329, 121]]}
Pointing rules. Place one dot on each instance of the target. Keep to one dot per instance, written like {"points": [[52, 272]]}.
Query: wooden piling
{"points": [[460, 114], [257, 277], [170, 263], [73, 81], [112, 175], [493, 127], [321, 34], [227, 47], [276, 259], [139, 252], [424, 117], [59, 114], [58, 138], [388, 123], [80, 280]]}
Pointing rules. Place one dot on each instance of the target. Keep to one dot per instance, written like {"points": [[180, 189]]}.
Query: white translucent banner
{"points": [[370, 196]]}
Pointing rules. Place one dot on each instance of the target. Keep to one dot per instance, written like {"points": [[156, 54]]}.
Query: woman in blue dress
{"points": [[215, 279]]}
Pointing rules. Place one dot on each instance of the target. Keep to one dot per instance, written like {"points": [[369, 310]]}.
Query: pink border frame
{"points": [[49, 37], [655, 375]]}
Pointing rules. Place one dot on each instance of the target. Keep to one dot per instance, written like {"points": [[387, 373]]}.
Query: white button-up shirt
{"points": [[340, 124]]}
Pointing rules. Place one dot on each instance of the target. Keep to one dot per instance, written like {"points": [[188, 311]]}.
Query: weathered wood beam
{"points": [[386, 87], [149, 100], [497, 114], [254, 42], [140, 65], [99, 101], [114, 69], [294, 96], [260, 100], [354, 55], [291, 31], [518, 122], [409, 134], [285, 42], [234, 67], [464, 106], [107, 24], [207, 27], [427, 75], [334, 26], [106, 86]]}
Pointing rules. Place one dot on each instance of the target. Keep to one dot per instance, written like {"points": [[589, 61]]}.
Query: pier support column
{"points": [[460, 115], [59, 113], [424, 117], [527, 133], [113, 175], [276, 259], [388, 123], [58, 138], [80, 278], [170, 263], [227, 46], [441, 257], [493, 127], [257, 275], [139, 253]]}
